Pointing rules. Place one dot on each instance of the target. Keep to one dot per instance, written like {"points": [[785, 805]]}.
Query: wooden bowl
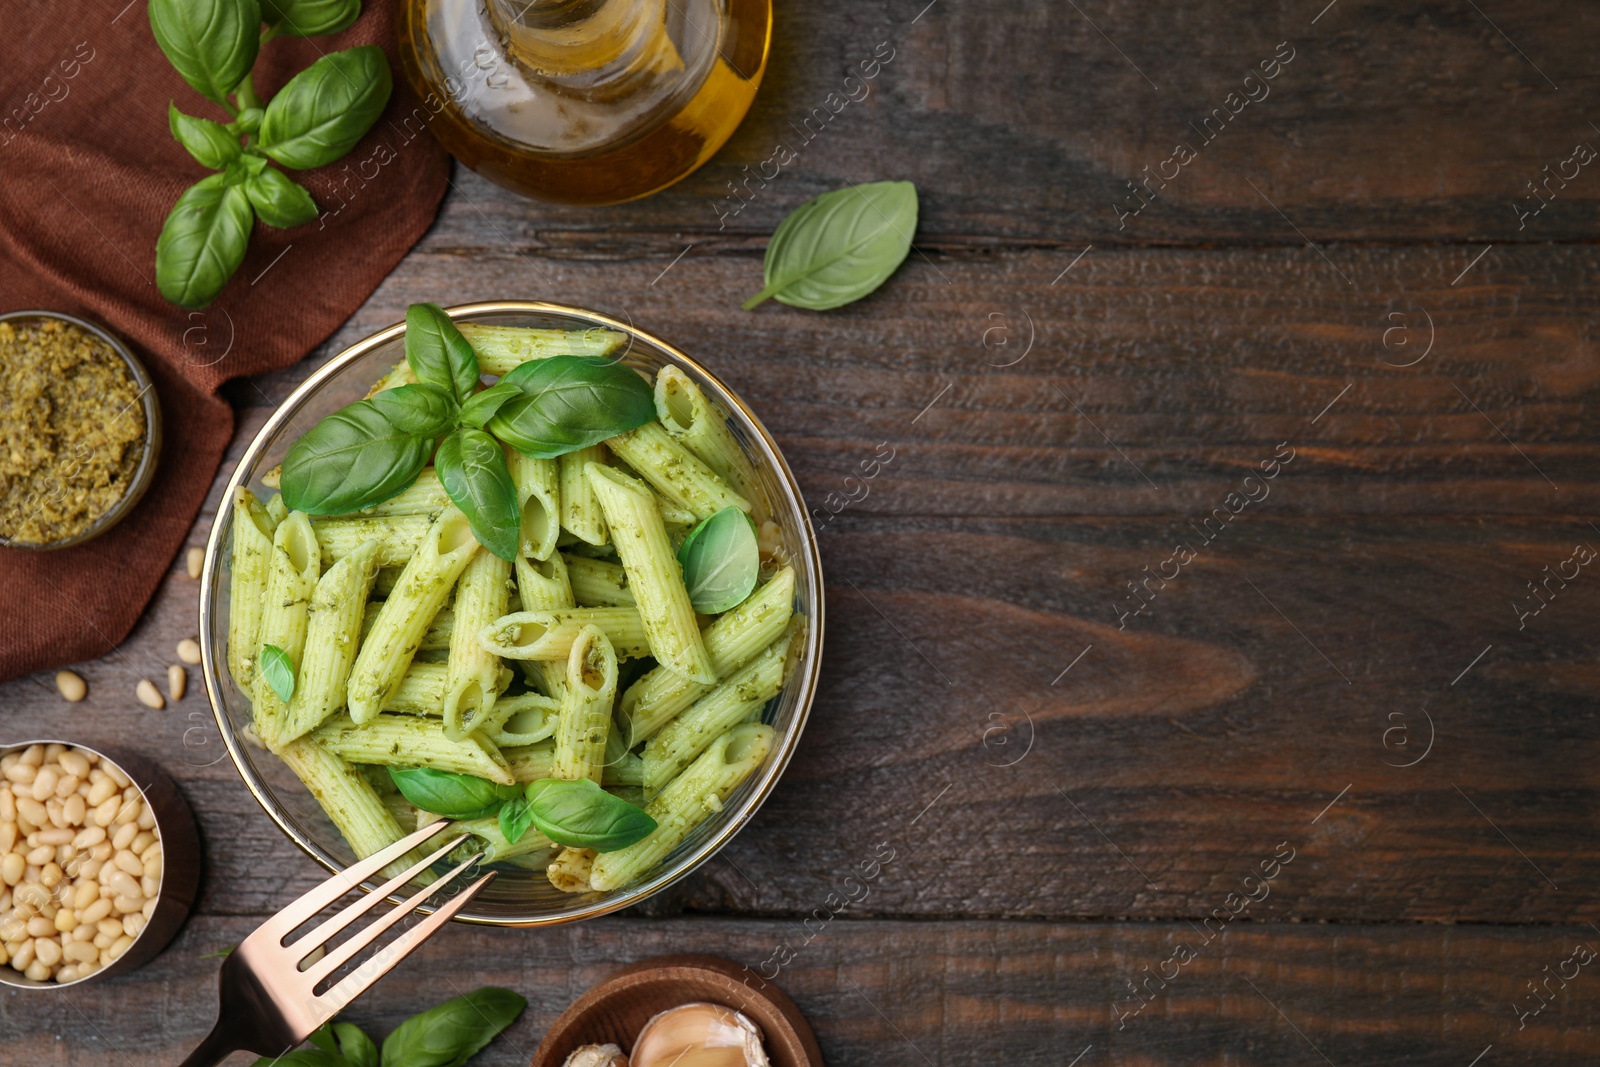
{"points": [[614, 1011]]}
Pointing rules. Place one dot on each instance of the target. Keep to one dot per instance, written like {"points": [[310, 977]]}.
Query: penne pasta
{"points": [[435, 639], [495, 846], [653, 573], [585, 719], [687, 801], [702, 427], [473, 673], [552, 634], [598, 583], [409, 741], [734, 639], [539, 501], [569, 871], [580, 511], [501, 349], [529, 763], [292, 573], [348, 799], [744, 693], [333, 633], [249, 556], [425, 496], [398, 536], [418, 595], [525, 719], [674, 472]]}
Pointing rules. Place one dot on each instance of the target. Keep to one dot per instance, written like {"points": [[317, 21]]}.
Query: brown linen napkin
{"points": [[88, 173]]}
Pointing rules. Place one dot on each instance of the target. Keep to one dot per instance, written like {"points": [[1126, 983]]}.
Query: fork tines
{"points": [[288, 960]]}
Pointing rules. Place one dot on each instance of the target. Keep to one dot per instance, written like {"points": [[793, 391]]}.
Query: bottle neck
{"points": [[587, 43]]}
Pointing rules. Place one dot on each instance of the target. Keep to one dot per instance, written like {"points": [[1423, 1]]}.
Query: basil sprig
{"points": [[455, 796], [839, 246], [581, 814], [312, 121], [721, 561], [446, 1035], [366, 452], [577, 813]]}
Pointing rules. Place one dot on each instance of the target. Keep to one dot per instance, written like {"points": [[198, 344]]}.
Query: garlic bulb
{"points": [[596, 1056], [699, 1035]]}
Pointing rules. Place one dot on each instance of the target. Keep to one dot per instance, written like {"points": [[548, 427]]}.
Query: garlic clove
{"points": [[699, 1035], [596, 1056]]}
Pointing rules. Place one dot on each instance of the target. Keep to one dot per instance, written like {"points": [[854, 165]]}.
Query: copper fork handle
{"points": [[217, 1046]]}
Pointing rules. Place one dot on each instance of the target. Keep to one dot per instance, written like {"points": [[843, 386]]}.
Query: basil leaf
{"points": [[839, 246], [721, 561], [212, 43], [310, 18], [249, 164], [278, 199], [516, 815], [571, 402], [305, 1057], [451, 1033], [278, 669], [455, 796], [581, 814], [325, 109], [249, 120], [481, 408], [354, 1045], [203, 241], [437, 352], [208, 142], [419, 410], [472, 469], [351, 460]]}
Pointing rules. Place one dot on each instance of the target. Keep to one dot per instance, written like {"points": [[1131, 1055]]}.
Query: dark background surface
{"points": [[1343, 672]]}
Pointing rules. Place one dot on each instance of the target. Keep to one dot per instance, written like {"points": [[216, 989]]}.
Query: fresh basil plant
{"points": [[840, 246], [721, 561], [312, 121], [446, 1035], [368, 451]]}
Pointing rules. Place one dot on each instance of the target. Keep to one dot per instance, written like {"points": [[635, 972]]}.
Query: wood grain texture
{"points": [[1068, 789], [889, 994]]}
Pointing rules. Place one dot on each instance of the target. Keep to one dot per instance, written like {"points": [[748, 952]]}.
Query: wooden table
{"points": [[1340, 675]]}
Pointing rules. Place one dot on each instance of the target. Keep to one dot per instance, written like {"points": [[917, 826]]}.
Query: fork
{"points": [[268, 998]]}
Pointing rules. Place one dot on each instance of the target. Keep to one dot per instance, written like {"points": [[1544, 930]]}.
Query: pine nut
{"points": [[66, 786], [32, 811], [123, 905], [39, 926], [105, 811], [110, 927], [141, 841], [96, 911], [73, 688], [120, 945], [66, 921], [74, 810], [8, 836], [40, 856], [51, 875], [177, 681], [129, 863], [75, 764], [124, 884], [11, 868], [115, 774], [23, 955], [21, 773], [99, 791], [37, 971], [81, 951], [33, 755], [8, 804], [83, 896], [189, 651], [124, 836], [56, 836], [194, 561], [47, 950], [149, 695], [44, 783]]}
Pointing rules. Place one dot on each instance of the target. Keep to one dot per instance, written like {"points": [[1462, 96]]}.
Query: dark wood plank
{"points": [[1390, 123], [915, 994]]}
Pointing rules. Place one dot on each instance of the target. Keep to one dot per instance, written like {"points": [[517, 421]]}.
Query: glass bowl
{"points": [[518, 897], [149, 450]]}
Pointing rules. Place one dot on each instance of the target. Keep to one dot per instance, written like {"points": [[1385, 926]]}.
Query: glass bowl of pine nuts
{"points": [[99, 863]]}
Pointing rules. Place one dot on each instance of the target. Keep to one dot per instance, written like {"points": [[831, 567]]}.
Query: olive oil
{"points": [[585, 101]]}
